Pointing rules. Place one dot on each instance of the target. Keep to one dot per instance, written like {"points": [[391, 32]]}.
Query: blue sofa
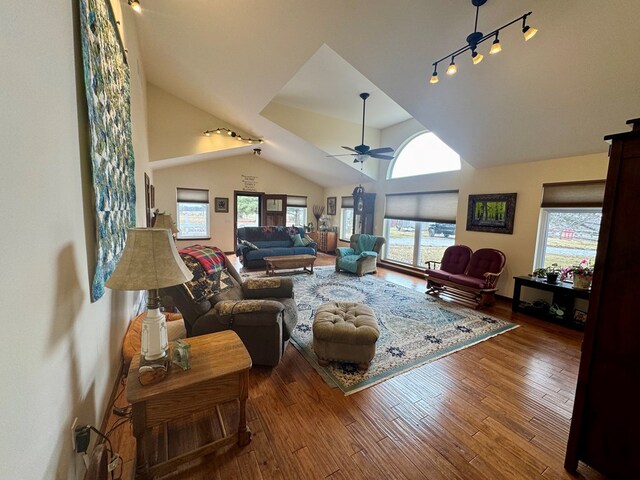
{"points": [[270, 242]]}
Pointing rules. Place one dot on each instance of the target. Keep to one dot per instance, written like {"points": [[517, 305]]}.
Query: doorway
{"points": [[247, 210]]}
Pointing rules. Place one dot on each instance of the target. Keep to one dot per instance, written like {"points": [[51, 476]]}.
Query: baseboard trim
{"points": [[397, 267]]}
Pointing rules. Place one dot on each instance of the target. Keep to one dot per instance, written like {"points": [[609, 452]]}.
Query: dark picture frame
{"points": [[493, 212], [221, 204], [331, 205]]}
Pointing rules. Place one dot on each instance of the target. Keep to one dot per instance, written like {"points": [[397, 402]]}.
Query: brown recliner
{"points": [[261, 311]]}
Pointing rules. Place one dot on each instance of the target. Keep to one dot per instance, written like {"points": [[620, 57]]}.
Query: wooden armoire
{"points": [[605, 428]]}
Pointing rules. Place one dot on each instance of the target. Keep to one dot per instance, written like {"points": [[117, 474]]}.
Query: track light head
{"points": [[476, 58], [434, 75], [135, 5], [452, 69], [529, 32], [495, 46]]}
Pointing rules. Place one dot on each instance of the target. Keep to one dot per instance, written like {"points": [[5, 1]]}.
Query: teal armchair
{"points": [[361, 256]]}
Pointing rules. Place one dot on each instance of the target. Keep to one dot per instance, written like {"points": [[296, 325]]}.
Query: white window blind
{"points": [[347, 202], [423, 206], [296, 201], [192, 195], [573, 194]]}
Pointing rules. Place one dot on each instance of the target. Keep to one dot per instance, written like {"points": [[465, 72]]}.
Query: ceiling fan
{"points": [[362, 152]]}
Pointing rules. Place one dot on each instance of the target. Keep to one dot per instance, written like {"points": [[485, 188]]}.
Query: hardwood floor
{"points": [[498, 410]]}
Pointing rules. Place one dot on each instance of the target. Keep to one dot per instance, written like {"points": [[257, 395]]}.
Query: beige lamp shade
{"points": [[164, 220], [149, 261]]}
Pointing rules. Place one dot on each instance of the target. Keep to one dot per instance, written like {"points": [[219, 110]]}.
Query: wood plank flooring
{"points": [[498, 410]]}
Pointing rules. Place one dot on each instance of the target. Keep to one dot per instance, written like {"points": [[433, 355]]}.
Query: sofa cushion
{"points": [[455, 259], [485, 260], [435, 273], [467, 280]]}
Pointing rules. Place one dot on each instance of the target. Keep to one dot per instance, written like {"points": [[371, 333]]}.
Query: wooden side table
{"points": [[219, 373]]}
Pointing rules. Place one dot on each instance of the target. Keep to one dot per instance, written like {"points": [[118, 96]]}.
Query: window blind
{"points": [[423, 206], [192, 195], [347, 202], [573, 194], [296, 201]]}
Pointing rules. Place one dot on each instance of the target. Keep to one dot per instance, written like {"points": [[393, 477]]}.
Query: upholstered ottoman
{"points": [[345, 332]]}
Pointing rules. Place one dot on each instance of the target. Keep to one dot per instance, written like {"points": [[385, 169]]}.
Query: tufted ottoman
{"points": [[346, 332]]}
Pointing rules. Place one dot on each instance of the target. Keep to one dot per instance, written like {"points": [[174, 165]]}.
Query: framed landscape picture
{"points": [[493, 212]]}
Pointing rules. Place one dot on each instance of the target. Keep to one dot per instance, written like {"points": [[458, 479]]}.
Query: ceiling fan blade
{"points": [[381, 157], [343, 155], [381, 150], [350, 149]]}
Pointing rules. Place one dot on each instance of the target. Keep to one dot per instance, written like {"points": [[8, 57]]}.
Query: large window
{"points": [[569, 223], [423, 154], [296, 211], [193, 213], [419, 226], [346, 218]]}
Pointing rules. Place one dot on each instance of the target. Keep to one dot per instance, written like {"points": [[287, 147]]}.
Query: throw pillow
{"points": [[307, 240], [249, 244], [297, 241]]}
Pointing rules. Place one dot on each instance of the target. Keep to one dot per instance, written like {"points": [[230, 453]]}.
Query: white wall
{"points": [[222, 176], [61, 353]]}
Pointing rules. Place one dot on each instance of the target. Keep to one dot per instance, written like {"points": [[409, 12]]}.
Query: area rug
{"points": [[414, 328]]}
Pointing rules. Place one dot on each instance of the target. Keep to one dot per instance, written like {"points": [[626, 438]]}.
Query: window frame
{"points": [[207, 215], [406, 143], [543, 230]]}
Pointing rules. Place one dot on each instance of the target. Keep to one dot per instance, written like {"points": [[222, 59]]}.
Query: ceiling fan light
{"points": [[495, 47], [476, 58], [529, 32], [135, 5], [452, 69]]}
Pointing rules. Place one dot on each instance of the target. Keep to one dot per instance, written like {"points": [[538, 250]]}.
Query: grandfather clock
{"points": [[363, 209]]}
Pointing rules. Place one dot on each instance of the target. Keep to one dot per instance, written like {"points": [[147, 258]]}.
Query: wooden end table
{"points": [[219, 373], [290, 261]]}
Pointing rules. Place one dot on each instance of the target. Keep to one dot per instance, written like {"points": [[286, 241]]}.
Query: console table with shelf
{"points": [[564, 295]]}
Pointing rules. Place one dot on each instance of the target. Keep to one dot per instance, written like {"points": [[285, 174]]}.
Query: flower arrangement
{"points": [[583, 268]]}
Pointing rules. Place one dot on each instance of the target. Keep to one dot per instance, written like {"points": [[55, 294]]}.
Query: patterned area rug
{"points": [[414, 328]]}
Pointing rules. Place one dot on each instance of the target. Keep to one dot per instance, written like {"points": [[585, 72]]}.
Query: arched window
{"points": [[423, 154]]}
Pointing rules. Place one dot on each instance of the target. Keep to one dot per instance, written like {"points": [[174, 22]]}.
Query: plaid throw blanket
{"points": [[211, 258]]}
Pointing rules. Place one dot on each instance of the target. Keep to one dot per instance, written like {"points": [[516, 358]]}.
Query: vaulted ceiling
{"points": [[554, 96]]}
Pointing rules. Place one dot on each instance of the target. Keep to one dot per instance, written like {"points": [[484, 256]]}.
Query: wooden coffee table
{"points": [[289, 262], [219, 373]]}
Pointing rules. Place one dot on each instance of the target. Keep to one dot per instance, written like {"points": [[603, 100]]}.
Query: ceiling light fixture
{"points": [[476, 38], [231, 133], [135, 4]]}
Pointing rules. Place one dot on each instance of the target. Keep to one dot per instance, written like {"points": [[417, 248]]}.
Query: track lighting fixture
{"points": [[232, 134], [135, 5], [257, 151], [476, 38]]}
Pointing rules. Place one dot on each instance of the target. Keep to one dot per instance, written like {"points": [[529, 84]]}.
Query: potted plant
{"points": [[551, 273], [582, 274]]}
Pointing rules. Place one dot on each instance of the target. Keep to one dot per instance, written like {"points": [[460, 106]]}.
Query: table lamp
{"points": [[150, 261], [164, 220]]}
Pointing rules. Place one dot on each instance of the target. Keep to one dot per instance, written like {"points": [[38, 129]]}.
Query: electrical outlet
{"points": [[73, 434]]}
